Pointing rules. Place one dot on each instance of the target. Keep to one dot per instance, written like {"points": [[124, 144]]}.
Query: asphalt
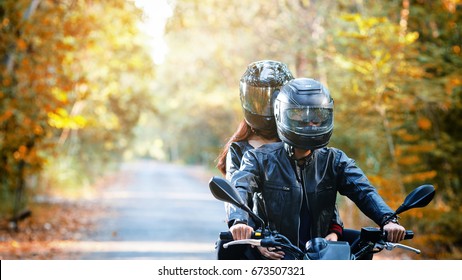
{"points": [[157, 211]]}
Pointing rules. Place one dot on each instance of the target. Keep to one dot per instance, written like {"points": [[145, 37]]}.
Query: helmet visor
{"points": [[258, 100], [308, 121]]}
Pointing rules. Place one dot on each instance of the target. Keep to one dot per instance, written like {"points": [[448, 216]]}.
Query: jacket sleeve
{"points": [[336, 224], [233, 160], [233, 163], [244, 180], [356, 186]]}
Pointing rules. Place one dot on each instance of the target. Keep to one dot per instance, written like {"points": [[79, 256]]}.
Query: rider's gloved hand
{"points": [[395, 232]]}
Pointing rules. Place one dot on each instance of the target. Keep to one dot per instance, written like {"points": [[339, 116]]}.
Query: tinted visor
{"points": [[308, 121], [258, 100]]}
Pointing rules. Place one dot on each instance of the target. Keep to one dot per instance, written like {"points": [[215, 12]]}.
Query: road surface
{"points": [[157, 211]]}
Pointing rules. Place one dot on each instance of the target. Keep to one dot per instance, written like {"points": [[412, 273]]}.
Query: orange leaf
{"points": [[22, 46], [424, 123]]}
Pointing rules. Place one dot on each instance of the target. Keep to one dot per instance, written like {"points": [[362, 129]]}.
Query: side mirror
{"points": [[222, 190], [419, 197]]}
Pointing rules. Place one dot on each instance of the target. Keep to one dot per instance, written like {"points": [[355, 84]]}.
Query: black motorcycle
{"points": [[370, 241]]}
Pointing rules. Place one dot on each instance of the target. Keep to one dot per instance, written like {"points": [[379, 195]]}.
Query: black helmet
{"points": [[304, 112], [258, 88]]}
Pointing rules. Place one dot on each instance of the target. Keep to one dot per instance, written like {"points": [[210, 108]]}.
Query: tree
{"points": [[440, 59], [74, 80], [386, 63]]}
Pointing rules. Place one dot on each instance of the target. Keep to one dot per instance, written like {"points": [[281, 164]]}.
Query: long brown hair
{"points": [[243, 132]]}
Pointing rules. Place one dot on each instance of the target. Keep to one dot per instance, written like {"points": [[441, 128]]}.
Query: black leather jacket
{"points": [[271, 182], [233, 163]]}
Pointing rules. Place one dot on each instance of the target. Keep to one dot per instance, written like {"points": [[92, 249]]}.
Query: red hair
{"points": [[243, 132]]}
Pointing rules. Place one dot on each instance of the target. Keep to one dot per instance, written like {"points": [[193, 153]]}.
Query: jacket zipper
{"points": [[300, 179]]}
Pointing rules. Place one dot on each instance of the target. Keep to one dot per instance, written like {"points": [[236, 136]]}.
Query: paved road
{"points": [[157, 211]]}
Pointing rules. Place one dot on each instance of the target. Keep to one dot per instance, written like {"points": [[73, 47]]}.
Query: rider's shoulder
{"points": [[269, 148], [242, 146], [330, 150], [333, 153]]}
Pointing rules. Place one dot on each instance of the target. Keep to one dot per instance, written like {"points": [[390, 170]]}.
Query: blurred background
{"points": [[88, 85]]}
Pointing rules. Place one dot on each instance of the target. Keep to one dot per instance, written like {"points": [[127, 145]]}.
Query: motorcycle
{"points": [[370, 241]]}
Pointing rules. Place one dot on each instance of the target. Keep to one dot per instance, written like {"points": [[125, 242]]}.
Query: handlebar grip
{"points": [[409, 234], [227, 235]]}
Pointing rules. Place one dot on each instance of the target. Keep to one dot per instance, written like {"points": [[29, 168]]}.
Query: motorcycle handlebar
{"points": [[409, 234], [257, 239], [227, 235]]}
